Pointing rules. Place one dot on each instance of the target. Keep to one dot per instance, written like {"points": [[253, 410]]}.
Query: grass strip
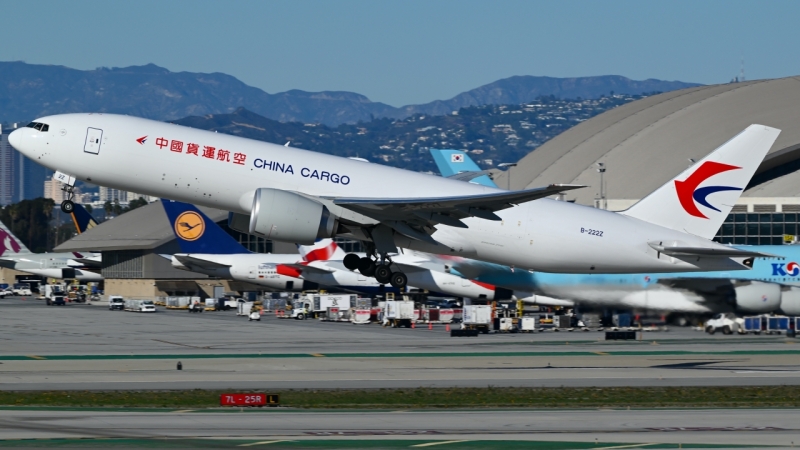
{"points": [[415, 398]]}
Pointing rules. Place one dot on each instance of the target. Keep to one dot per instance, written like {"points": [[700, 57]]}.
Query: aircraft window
{"points": [[38, 126], [45, 127], [31, 125]]}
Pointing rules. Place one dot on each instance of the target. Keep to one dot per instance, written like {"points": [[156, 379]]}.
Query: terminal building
{"points": [[641, 146]]}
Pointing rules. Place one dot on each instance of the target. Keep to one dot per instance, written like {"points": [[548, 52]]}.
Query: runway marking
{"points": [[36, 357], [601, 353], [626, 446], [263, 443], [430, 444], [182, 411], [318, 355]]}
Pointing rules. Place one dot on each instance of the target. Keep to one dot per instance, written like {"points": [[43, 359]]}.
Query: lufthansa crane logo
{"points": [[189, 226], [689, 191]]}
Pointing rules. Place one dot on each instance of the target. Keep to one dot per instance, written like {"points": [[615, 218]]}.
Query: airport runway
{"points": [[90, 347], [601, 429]]}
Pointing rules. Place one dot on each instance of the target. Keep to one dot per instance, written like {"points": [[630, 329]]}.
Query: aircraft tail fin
{"points": [[453, 162], [699, 199], [196, 233], [10, 245], [82, 219], [322, 250]]}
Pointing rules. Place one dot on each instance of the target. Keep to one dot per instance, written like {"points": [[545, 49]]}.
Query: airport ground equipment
{"points": [[196, 307], [753, 324], [54, 294], [22, 289], [477, 317], [243, 307], [777, 324], [528, 324], [399, 313], [116, 302], [727, 323], [313, 304], [255, 314], [620, 335], [793, 327], [138, 305]]}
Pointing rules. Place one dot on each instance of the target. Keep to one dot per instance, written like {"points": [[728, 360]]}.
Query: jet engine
{"points": [[790, 302], [757, 297], [289, 217]]}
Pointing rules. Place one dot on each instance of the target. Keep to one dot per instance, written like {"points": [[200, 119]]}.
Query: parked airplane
{"points": [[294, 195], [14, 255], [773, 283], [208, 249]]}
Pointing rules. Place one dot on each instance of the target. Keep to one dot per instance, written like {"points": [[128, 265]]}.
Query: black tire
{"points": [[727, 330], [67, 206], [351, 261], [383, 274], [399, 280], [711, 330], [301, 317], [366, 266]]}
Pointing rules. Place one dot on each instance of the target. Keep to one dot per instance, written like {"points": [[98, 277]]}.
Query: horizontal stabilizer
{"points": [[714, 252]]}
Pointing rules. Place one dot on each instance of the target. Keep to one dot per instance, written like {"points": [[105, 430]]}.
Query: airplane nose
{"points": [[15, 138]]}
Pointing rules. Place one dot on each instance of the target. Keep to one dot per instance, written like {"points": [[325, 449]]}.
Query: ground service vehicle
{"points": [[54, 294], [727, 323], [135, 305], [313, 304], [22, 289], [116, 302]]}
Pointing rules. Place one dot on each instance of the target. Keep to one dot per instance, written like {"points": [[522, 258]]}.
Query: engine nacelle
{"points": [[289, 217], [757, 297], [790, 302]]}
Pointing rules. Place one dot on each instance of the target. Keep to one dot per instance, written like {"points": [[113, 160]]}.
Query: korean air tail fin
{"points": [[454, 162], [699, 199], [10, 245], [322, 250], [82, 219], [196, 233]]}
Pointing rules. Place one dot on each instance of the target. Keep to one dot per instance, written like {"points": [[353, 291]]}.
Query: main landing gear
{"points": [[380, 270]]}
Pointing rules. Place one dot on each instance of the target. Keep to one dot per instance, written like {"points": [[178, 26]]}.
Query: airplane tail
{"points": [[196, 233], [699, 199], [453, 162], [322, 250], [82, 219], [10, 245]]}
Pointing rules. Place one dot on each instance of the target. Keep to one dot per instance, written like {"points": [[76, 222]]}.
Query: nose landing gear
{"points": [[67, 206]]}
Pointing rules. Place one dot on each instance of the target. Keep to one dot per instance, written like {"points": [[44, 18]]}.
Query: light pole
{"points": [[508, 171], [601, 168]]}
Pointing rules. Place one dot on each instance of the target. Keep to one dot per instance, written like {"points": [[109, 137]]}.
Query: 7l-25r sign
{"points": [[249, 400]]}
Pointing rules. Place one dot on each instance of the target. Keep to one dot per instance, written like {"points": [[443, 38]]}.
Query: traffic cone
{"points": [[430, 326], [447, 328], [413, 324]]}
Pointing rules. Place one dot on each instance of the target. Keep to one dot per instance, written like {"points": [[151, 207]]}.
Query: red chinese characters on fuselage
{"points": [[205, 151]]}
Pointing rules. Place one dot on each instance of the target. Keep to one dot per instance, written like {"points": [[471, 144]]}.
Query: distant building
{"points": [[52, 190], [20, 178], [6, 169], [109, 195]]}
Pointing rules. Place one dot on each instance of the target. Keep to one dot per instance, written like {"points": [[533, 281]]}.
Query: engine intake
{"points": [[289, 217]]}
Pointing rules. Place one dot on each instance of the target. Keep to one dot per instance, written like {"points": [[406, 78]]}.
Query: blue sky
{"points": [[407, 52]]}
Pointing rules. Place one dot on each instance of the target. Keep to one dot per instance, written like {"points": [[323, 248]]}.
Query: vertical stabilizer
{"points": [[82, 219], [322, 250], [9, 244], [196, 233], [698, 200], [453, 162]]}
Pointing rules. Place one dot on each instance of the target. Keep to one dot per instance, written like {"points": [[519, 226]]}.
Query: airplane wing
{"points": [[312, 269], [88, 262], [446, 210], [192, 261], [726, 252]]}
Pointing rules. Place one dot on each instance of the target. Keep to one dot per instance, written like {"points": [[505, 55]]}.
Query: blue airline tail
{"points": [[453, 162], [196, 233], [82, 219]]}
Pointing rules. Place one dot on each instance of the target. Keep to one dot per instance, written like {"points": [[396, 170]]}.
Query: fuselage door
{"points": [[94, 136], [251, 272]]}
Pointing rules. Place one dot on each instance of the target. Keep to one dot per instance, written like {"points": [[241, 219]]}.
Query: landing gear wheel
{"points": [[399, 280], [383, 274], [366, 266], [351, 261], [67, 206]]}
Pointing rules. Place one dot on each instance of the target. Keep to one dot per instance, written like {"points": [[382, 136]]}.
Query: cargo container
{"points": [[477, 317], [621, 320], [777, 324], [752, 324], [528, 324], [399, 313]]}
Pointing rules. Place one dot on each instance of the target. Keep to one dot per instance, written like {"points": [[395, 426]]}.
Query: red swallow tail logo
{"points": [[689, 193], [142, 140]]}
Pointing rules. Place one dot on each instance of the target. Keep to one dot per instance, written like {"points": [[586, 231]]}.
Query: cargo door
{"points": [[251, 272], [94, 137]]}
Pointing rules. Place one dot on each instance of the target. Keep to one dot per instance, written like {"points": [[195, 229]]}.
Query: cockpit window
{"points": [[38, 126]]}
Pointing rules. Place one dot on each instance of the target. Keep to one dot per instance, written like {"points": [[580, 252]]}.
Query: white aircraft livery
{"points": [[294, 195]]}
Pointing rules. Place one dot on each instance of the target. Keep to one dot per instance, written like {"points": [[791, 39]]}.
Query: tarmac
{"points": [[89, 347]]}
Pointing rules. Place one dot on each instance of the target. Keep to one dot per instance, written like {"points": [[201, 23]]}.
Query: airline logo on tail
{"points": [[321, 254], [7, 242], [189, 226], [689, 192]]}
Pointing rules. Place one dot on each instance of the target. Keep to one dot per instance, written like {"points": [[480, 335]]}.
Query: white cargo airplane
{"points": [[294, 195]]}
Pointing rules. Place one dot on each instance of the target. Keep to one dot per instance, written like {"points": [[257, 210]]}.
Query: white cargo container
{"points": [[137, 305], [477, 317], [398, 313], [528, 324]]}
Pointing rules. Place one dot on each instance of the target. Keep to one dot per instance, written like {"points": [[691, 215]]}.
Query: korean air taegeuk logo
{"points": [[690, 194], [189, 226]]}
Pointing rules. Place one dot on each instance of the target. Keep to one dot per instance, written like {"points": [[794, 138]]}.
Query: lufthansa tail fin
{"points": [[82, 219], [699, 199], [453, 162], [322, 250], [10, 245], [196, 233]]}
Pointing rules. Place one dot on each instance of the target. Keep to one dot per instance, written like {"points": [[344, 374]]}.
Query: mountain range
{"points": [[28, 91]]}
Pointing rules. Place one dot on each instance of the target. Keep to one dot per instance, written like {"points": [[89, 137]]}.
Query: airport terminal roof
{"points": [[141, 229], [647, 142]]}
